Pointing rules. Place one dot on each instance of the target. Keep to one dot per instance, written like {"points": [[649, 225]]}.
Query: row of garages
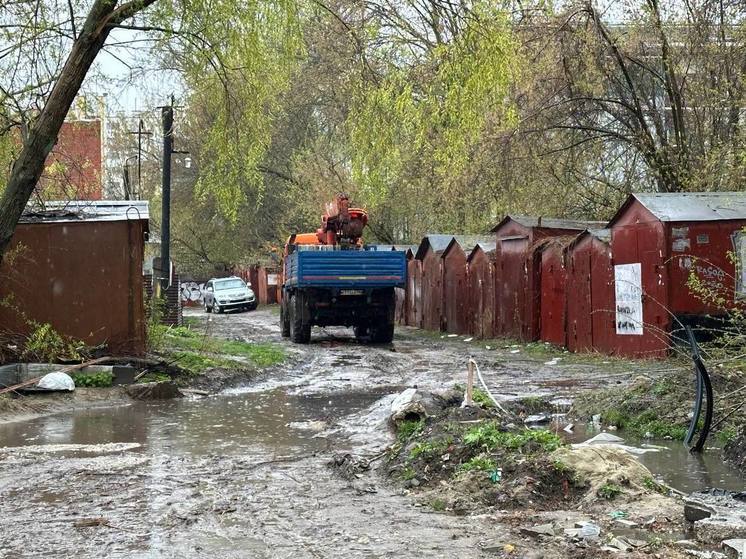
{"points": [[624, 287]]}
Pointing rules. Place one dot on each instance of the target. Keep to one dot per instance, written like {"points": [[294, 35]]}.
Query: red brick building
{"points": [[73, 168]]}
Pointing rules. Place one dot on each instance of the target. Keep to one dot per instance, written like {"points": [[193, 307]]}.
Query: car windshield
{"points": [[229, 284]]}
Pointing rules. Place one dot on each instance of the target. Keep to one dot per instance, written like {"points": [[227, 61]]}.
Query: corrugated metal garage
{"points": [[481, 287], [79, 267], [658, 241], [456, 310], [553, 303], [590, 301], [429, 254], [517, 296]]}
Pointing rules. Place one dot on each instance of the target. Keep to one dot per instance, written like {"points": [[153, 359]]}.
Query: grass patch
{"points": [[430, 447], [609, 491], [187, 341], [491, 437], [199, 362], [654, 486], [154, 376], [407, 429], [479, 463], [482, 398], [438, 504], [727, 435]]}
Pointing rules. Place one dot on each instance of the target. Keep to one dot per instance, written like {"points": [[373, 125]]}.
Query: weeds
{"points": [[103, 379], [654, 486], [479, 463], [438, 504], [490, 436], [609, 491], [408, 428], [482, 398], [430, 447], [44, 343]]}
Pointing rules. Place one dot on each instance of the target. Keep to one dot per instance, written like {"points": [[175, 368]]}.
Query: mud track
{"points": [[244, 474]]}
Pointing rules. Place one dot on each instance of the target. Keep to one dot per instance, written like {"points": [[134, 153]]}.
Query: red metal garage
{"points": [[553, 303], [659, 240], [79, 267], [481, 288], [590, 301], [455, 312], [518, 271], [428, 253]]}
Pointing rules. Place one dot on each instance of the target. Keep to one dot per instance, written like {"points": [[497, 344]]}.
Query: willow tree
{"points": [[47, 49], [415, 134]]}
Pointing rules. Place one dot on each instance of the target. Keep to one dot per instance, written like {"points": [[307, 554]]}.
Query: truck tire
{"points": [[284, 318], [383, 333], [300, 327], [362, 333]]}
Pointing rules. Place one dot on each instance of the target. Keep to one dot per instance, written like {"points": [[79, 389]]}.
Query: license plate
{"points": [[351, 292]]}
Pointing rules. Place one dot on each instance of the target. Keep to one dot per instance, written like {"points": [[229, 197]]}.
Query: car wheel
{"points": [[216, 307]]}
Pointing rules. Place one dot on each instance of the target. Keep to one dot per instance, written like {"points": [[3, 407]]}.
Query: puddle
{"points": [[272, 422], [674, 464]]}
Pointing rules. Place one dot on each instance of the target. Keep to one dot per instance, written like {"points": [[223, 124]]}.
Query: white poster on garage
{"points": [[628, 291]]}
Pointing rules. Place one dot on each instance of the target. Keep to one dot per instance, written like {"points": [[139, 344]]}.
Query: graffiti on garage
{"points": [[191, 293]]}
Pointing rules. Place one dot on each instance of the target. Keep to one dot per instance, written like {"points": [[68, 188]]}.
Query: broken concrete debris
{"points": [[716, 515]]}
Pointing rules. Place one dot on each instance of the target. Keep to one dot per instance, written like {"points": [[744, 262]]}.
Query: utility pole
{"points": [[140, 133], [167, 119]]}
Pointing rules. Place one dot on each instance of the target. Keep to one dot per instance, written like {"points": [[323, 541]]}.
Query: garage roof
{"points": [[690, 206]]}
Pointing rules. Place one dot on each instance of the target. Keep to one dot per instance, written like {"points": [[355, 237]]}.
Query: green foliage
{"points": [[490, 436], [609, 491], [654, 486], [154, 376], [480, 463], [482, 398], [438, 504], [408, 473], [199, 363], [430, 447], [725, 436], [644, 423], [44, 343], [101, 379], [189, 341], [408, 428]]}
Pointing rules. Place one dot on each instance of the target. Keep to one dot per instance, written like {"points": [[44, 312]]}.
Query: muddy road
{"points": [[244, 473]]}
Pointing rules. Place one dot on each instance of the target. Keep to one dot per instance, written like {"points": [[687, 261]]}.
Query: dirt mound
{"points": [[604, 468]]}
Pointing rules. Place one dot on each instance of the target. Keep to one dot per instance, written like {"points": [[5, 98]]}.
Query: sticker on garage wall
{"points": [[679, 232], [703, 239], [271, 279], [681, 245], [628, 298]]}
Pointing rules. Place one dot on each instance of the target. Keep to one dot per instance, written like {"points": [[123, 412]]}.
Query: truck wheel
{"points": [[284, 319], [383, 333], [362, 333], [300, 329]]}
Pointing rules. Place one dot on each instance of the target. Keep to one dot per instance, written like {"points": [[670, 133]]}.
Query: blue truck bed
{"points": [[346, 269]]}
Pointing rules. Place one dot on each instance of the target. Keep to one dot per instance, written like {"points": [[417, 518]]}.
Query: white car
{"points": [[224, 294]]}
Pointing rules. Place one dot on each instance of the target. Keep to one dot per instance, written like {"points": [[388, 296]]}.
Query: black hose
{"points": [[703, 382]]}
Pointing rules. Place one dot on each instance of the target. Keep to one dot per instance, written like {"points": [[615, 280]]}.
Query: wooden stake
{"points": [[470, 384]]}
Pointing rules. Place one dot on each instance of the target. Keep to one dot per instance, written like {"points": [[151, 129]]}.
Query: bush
{"points": [[46, 344], [93, 380]]}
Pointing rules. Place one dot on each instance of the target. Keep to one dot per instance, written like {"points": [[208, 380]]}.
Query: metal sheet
{"points": [[455, 311], [553, 295], [579, 318], [83, 278], [481, 287]]}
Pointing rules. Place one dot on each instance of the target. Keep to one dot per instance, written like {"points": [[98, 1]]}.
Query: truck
{"points": [[330, 278]]}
